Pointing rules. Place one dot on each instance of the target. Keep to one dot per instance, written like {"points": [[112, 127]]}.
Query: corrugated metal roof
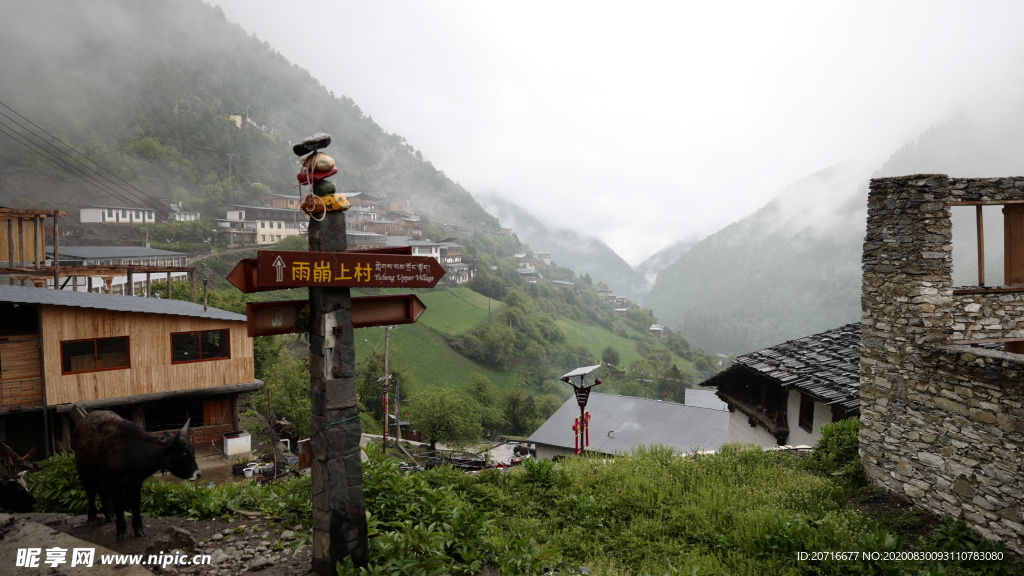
{"points": [[32, 295], [270, 208], [93, 252], [619, 424], [825, 366], [704, 399]]}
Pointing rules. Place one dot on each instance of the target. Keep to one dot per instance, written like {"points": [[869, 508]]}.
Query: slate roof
{"points": [[619, 424], [32, 295], [825, 366]]}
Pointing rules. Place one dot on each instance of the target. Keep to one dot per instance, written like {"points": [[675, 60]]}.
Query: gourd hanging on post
{"points": [[316, 168]]}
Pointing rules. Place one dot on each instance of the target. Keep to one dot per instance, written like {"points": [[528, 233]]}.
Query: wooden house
{"points": [[157, 362], [365, 240], [288, 201]]}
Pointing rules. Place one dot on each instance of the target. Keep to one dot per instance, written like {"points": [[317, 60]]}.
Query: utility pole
{"points": [[229, 165], [398, 407], [385, 381]]}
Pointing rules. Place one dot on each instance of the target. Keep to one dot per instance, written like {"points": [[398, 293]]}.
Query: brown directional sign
{"points": [[387, 268], [282, 317], [288, 269], [290, 316], [385, 310]]}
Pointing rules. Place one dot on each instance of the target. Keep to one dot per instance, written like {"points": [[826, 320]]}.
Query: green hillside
{"points": [[421, 349], [595, 339], [145, 89], [455, 310], [423, 353]]}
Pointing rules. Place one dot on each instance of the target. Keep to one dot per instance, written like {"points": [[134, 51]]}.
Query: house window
{"points": [[197, 346], [263, 238], [124, 213], [263, 224], [278, 224], [110, 212], [94, 355], [806, 412], [138, 214]]}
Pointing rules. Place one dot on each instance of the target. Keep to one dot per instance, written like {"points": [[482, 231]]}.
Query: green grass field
{"points": [[421, 348], [455, 310], [596, 339]]}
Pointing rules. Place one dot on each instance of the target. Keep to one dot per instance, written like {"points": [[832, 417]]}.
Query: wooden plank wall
{"points": [[21, 384], [149, 338], [29, 241]]}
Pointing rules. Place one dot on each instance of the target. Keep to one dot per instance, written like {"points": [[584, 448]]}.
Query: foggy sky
{"points": [[645, 123]]}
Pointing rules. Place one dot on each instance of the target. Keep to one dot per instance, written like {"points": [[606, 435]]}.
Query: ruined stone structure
{"points": [[942, 405]]}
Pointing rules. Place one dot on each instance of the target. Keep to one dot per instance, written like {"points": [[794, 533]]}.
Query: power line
{"points": [[138, 195]]}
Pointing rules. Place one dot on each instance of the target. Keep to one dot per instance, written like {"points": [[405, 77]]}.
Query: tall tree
{"points": [[446, 415]]}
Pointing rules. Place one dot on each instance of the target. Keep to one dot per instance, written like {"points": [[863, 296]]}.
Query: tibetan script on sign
{"points": [[288, 269]]}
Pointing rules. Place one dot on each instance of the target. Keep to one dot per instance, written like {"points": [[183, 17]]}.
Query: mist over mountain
{"points": [[793, 267], [145, 88], [655, 263], [582, 254]]}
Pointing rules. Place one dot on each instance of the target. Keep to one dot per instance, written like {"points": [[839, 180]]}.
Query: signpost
{"points": [[277, 269], [329, 271], [292, 316], [330, 315]]}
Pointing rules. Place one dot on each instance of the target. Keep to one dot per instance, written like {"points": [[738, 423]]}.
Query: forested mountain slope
{"points": [[584, 255], [145, 88]]}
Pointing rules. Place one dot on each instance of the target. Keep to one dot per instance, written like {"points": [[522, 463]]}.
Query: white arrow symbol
{"points": [[280, 265]]}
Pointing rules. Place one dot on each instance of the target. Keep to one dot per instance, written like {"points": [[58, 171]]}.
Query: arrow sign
{"points": [[290, 316], [387, 269], [293, 269], [279, 265]]}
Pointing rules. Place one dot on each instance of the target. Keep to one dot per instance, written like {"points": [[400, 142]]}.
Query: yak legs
{"points": [[91, 491], [134, 496]]}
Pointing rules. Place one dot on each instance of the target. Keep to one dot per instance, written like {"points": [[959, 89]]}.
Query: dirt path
{"points": [[236, 547]]}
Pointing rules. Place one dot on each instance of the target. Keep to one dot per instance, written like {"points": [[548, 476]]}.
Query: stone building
{"points": [[942, 368]]}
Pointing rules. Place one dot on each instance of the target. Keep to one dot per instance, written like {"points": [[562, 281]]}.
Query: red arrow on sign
{"points": [[290, 316]]}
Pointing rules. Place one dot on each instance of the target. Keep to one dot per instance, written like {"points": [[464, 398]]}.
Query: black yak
{"points": [[14, 497], [114, 457]]}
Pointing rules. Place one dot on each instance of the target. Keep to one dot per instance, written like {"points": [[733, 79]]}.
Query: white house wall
{"points": [[547, 452], [797, 435], [742, 432]]}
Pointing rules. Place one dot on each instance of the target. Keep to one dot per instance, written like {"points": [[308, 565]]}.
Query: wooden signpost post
{"points": [[339, 512], [330, 315]]}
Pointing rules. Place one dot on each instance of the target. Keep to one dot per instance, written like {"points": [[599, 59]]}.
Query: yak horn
{"points": [[184, 429]]}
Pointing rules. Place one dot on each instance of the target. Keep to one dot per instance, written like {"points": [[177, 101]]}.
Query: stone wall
{"points": [[941, 424], [991, 316]]}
